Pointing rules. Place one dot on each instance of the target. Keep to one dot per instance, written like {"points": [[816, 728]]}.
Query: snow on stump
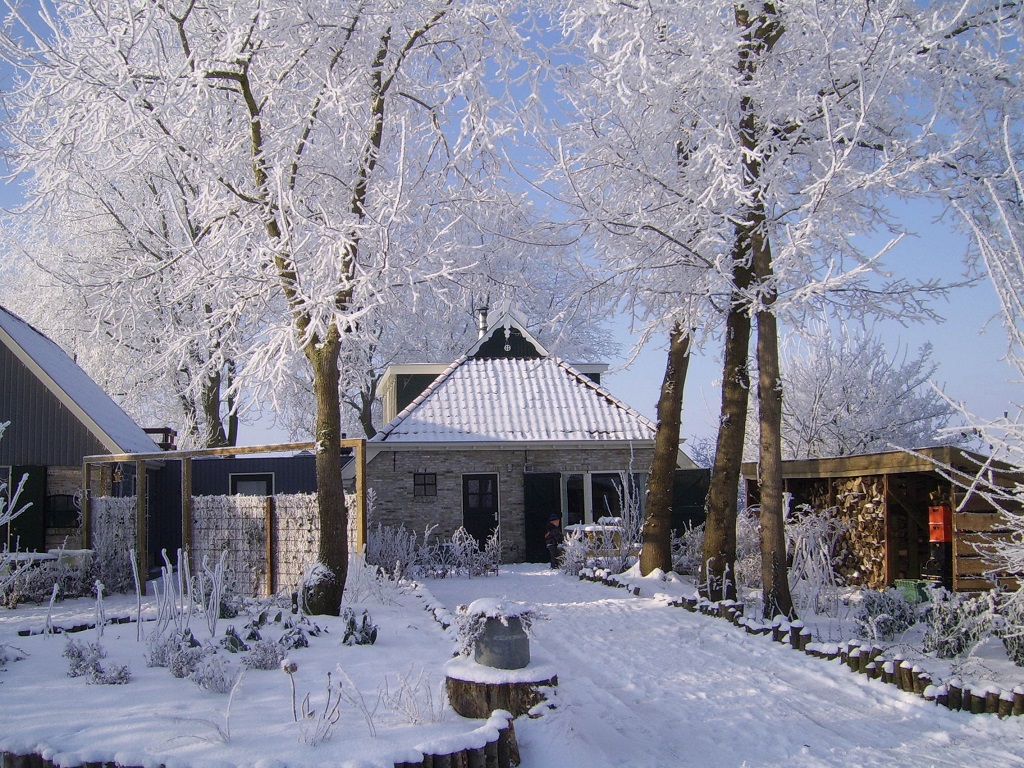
{"points": [[501, 673]]}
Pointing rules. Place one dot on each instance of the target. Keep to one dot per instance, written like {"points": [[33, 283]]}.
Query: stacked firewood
{"points": [[860, 505]]}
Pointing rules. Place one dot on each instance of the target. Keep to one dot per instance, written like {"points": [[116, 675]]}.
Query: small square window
{"points": [[424, 484]]}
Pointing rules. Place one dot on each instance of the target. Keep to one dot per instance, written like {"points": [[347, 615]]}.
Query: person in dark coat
{"points": [[553, 536]]}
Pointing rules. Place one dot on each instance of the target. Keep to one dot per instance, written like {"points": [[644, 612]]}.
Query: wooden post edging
{"points": [[865, 660], [492, 745]]}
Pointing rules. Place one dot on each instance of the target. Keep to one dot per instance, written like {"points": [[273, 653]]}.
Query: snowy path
{"points": [[646, 686]]}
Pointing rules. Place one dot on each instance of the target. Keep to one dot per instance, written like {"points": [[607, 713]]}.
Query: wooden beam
{"points": [[86, 511], [141, 537], [186, 504], [360, 459], [890, 551], [268, 535]]}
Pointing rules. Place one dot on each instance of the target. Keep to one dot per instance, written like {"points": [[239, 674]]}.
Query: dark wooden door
{"points": [[480, 505], [28, 530], [542, 495]]}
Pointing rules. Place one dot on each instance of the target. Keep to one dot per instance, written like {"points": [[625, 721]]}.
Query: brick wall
{"points": [[390, 475]]}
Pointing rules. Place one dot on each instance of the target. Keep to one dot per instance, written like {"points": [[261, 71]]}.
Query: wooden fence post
{"points": [[186, 504], [141, 534], [268, 535], [86, 511]]}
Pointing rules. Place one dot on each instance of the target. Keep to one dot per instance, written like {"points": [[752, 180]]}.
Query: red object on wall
{"points": [[940, 524]]}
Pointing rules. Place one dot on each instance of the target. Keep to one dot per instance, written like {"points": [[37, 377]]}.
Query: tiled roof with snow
{"points": [[513, 399], [73, 387]]}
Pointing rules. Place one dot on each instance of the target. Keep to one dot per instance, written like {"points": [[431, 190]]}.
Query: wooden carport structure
{"points": [[99, 481], [909, 514]]}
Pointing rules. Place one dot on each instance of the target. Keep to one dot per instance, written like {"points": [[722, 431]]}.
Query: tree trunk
{"points": [[656, 551], [719, 558], [323, 592], [213, 428], [774, 574]]}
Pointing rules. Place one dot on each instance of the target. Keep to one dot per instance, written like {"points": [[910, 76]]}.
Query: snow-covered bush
{"points": [[73, 578], [884, 614], [399, 553], [214, 673], [10, 567], [813, 541], [688, 550], [84, 661], [1011, 609], [231, 642], [412, 698], [264, 654], [575, 551], [361, 632], [394, 550], [957, 623], [748, 549]]}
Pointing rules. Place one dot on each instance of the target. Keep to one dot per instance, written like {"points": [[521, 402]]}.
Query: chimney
{"points": [[481, 322]]}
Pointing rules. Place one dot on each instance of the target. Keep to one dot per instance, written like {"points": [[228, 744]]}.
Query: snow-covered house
{"points": [[504, 436], [57, 415]]}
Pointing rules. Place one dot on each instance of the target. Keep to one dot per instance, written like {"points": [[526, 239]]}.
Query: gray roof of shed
{"points": [[72, 386]]}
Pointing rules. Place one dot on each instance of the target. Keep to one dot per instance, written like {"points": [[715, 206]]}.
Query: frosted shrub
{"points": [[1012, 629], [264, 654], [214, 673], [361, 632], [574, 553], [393, 550], [186, 659], [956, 624], [412, 698], [813, 540], [688, 550], [399, 554], [84, 660], [882, 615], [748, 549]]}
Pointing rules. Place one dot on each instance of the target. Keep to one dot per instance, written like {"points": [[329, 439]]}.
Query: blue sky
{"points": [[968, 346]]}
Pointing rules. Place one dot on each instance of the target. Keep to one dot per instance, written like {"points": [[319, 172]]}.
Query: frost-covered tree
{"points": [[304, 126], [118, 252], [845, 394], [991, 203], [775, 134]]}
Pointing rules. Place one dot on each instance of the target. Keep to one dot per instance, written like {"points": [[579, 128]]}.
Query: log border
{"points": [[865, 659]]}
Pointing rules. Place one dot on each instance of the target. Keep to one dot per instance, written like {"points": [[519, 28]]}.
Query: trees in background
{"points": [[846, 394], [755, 144], [304, 130], [118, 250]]}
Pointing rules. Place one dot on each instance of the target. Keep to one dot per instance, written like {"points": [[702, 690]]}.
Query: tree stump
{"points": [[479, 700]]}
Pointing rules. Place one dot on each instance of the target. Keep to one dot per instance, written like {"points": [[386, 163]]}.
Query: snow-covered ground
{"points": [[641, 684]]}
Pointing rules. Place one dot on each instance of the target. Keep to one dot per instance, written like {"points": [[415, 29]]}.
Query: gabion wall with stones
{"points": [[239, 524], [296, 538], [112, 528], [235, 524]]}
